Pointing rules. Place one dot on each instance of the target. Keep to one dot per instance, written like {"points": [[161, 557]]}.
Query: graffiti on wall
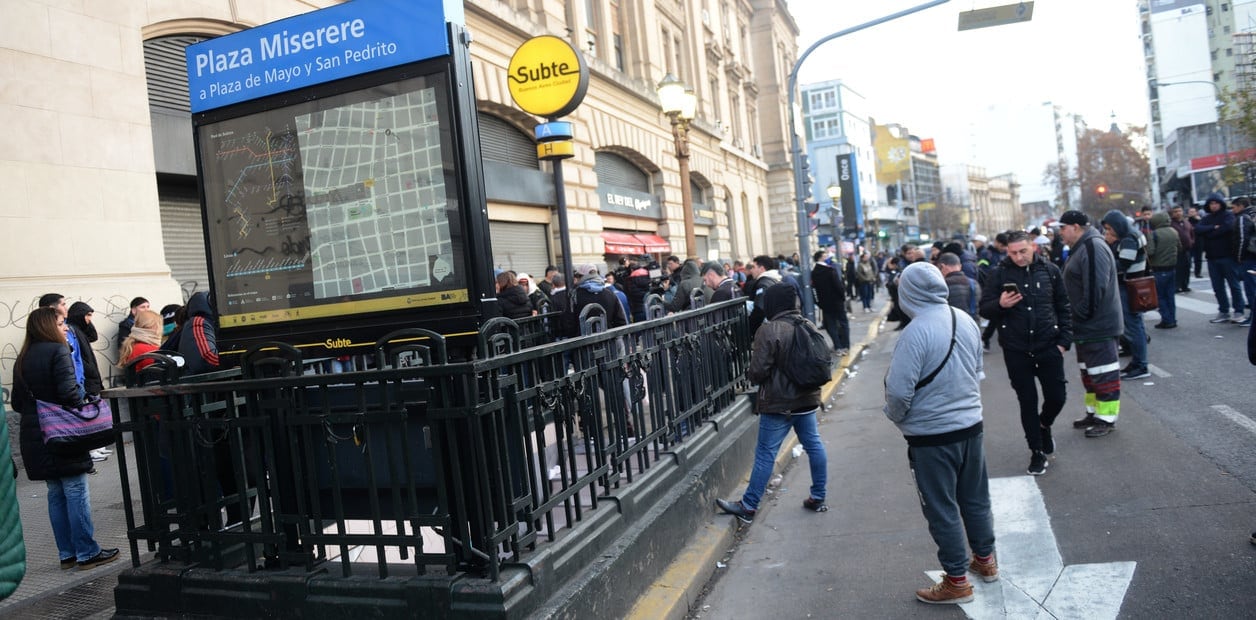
{"points": [[109, 312]]}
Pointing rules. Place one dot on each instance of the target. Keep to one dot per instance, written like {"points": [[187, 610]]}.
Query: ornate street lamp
{"points": [[835, 195], [680, 104]]}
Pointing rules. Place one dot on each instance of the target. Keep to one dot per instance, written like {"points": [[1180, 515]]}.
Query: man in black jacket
{"points": [[781, 405], [1025, 297], [831, 299], [722, 286]]}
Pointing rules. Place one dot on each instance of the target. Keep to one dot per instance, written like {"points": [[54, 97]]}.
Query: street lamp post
{"points": [[835, 195], [795, 150], [680, 104]]}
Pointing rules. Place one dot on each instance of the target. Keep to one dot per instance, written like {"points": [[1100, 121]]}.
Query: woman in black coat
{"points": [[512, 298], [44, 371]]}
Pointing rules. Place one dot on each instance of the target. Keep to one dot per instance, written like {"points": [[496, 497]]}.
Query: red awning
{"points": [[654, 244], [622, 243]]}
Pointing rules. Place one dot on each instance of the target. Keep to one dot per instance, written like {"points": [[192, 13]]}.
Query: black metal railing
{"points": [[418, 461]]}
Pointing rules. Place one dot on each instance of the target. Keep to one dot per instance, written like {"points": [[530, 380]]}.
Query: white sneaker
{"points": [[97, 456], [104, 451]]}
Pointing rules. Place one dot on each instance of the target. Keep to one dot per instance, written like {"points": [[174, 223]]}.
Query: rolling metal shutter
{"points": [[504, 143], [521, 247], [184, 243], [614, 170], [167, 72]]}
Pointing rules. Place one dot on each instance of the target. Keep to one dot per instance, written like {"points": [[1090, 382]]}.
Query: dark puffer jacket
{"points": [[1214, 229], [48, 373], [514, 302], [1042, 319], [777, 394]]}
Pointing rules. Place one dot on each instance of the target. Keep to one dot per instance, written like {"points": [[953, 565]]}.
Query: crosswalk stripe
{"points": [[1236, 417]]}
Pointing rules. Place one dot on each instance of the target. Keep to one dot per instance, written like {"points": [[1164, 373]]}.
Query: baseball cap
{"points": [[1074, 217], [168, 312], [584, 269], [981, 238]]}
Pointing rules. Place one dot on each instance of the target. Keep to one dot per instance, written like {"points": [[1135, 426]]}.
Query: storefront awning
{"points": [[622, 243], [654, 244]]}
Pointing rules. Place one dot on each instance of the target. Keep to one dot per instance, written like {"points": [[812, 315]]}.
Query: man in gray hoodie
{"points": [[933, 394]]}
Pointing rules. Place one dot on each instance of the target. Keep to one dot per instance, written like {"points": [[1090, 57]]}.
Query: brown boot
{"points": [[949, 590], [988, 570]]}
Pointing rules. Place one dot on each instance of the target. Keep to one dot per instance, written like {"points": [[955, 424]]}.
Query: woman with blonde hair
{"points": [[145, 337], [45, 371]]}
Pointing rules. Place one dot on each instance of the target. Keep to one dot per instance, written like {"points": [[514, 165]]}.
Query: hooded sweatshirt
{"points": [[690, 279], [197, 342], [772, 343], [1130, 248], [948, 409], [1214, 229], [1163, 246]]}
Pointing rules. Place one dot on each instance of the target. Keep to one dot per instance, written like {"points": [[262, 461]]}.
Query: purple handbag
{"points": [[74, 430]]}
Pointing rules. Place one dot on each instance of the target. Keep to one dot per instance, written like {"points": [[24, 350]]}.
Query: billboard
{"points": [[893, 154]]}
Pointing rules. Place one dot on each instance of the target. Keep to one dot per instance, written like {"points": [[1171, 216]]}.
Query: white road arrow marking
{"points": [[1033, 580]]}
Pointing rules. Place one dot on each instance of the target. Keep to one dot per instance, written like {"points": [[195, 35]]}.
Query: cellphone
{"points": [[1010, 287]]}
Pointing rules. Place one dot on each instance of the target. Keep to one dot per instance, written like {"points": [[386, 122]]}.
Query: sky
{"points": [[920, 71]]}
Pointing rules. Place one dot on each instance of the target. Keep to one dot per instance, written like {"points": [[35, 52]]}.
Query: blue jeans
{"points": [[955, 498], [1223, 272], [1135, 331], [1249, 281], [865, 294], [1166, 289], [772, 430], [70, 511]]}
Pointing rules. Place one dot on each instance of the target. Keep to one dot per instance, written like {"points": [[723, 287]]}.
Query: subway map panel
{"points": [[375, 195], [334, 206]]}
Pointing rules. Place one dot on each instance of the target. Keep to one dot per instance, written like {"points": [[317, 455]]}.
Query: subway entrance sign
{"points": [[996, 16], [339, 166]]}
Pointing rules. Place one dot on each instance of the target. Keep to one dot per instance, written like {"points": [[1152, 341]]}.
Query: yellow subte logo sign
{"points": [[547, 77]]}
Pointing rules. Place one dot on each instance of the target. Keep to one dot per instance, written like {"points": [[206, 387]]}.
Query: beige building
{"points": [[98, 169], [992, 202]]}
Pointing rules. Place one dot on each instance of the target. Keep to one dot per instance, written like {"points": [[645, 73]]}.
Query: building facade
{"points": [[99, 168], [993, 203], [835, 119], [1195, 51]]}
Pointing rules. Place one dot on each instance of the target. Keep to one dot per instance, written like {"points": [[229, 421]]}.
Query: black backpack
{"points": [[808, 363]]}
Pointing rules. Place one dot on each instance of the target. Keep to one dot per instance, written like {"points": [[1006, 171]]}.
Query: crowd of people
{"points": [[56, 364], [1043, 291]]}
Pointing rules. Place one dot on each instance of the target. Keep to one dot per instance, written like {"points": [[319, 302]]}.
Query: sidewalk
{"points": [[675, 593], [49, 592], [1138, 496]]}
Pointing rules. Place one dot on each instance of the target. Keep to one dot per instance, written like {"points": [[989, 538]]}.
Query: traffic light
{"points": [[1101, 191], [813, 222]]}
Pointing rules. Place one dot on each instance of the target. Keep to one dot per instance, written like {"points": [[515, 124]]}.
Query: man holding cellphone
{"points": [[1025, 299]]}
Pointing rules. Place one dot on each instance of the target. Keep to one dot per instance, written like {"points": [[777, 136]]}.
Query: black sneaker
{"points": [[1254, 538], [1100, 429], [68, 564], [1138, 372], [815, 505], [1037, 464], [736, 509], [1048, 442], [1085, 422], [104, 557]]}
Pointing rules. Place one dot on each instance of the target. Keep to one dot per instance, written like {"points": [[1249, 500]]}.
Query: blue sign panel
{"points": [[322, 46]]}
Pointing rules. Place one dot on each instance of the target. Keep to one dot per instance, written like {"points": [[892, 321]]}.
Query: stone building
{"points": [[100, 200]]}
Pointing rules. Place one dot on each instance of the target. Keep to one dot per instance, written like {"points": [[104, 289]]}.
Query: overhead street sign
{"points": [[996, 16]]}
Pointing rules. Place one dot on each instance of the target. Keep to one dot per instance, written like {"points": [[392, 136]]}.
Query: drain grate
{"points": [[94, 598]]}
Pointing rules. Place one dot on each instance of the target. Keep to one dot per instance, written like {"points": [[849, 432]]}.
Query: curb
{"points": [[673, 594]]}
